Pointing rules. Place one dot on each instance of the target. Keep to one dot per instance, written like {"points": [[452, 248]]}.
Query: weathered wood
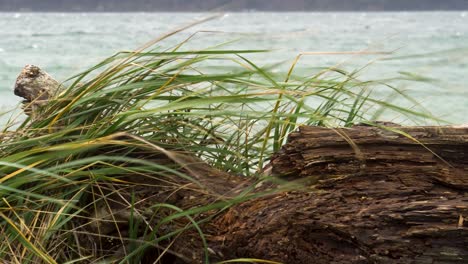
{"points": [[36, 86], [374, 196]]}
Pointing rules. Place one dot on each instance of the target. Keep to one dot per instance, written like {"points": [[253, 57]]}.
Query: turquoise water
{"points": [[64, 44]]}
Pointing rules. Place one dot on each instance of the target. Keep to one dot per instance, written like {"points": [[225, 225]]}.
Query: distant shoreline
{"points": [[231, 6], [235, 11]]}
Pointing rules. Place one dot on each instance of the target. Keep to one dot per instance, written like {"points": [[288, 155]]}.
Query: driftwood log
{"points": [[368, 195], [376, 196]]}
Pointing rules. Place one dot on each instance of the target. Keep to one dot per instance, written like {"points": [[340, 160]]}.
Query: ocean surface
{"points": [[432, 46]]}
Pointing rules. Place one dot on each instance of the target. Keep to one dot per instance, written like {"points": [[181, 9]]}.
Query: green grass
{"points": [[116, 119]]}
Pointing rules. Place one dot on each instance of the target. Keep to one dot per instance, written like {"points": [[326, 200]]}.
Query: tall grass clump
{"points": [[120, 127]]}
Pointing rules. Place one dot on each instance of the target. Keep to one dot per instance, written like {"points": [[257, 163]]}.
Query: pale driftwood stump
{"points": [[37, 87]]}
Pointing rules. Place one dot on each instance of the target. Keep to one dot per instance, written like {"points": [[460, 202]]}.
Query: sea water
{"points": [[431, 46]]}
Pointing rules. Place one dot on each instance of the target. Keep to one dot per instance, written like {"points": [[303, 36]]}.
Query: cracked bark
{"points": [[387, 199]]}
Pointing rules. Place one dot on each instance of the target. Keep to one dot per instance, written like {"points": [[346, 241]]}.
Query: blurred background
{"points": [[420, 47]]}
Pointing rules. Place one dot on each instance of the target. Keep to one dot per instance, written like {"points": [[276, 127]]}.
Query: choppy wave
{"points": [[52, 34], [71, 33]]}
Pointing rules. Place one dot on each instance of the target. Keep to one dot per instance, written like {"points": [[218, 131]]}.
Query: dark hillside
{"points": [[230, 5]]}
